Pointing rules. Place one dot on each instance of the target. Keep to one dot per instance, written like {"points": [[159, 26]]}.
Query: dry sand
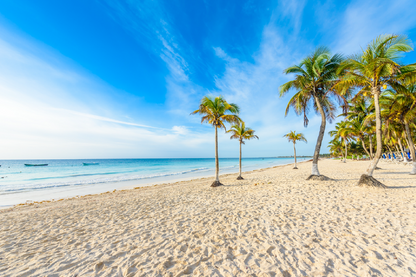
{"points": [[273, 223]]}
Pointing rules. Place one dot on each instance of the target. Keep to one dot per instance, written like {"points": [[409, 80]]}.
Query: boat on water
{"points": [[90, 163], [36, 164]]}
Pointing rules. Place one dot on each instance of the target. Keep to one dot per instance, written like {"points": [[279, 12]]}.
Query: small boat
{"points": [[36, 164], [90, 163]]}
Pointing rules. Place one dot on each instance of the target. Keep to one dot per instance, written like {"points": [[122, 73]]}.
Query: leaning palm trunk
{"points": [[371, 146], [294, 150], [398, 151], [315, 171], [411, 148], [346, 149], [403, 153], [365, 149], [367, 178], [217, 164], [239, 176], [391, 153]]}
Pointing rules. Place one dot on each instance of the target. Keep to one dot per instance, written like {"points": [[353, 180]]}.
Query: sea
{"points": [[70, 178]]}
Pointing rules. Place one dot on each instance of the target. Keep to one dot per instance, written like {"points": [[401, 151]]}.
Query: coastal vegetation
{"points": [[376, 93], [313, 83], [217, 111], [373, 90], [377, 68], [292, 136], [241, 132]]}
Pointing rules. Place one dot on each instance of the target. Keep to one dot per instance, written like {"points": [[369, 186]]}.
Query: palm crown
{"points": [[241, 132], [377, 67], [315, 77], [341, 130], [216, 111], [292, 136], [335, 146]]}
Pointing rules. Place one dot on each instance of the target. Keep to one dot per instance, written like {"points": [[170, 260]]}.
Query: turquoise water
{"points": [[65, 178]]}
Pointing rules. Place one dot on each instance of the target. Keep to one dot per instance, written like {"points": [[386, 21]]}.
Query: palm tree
{"points": [[358, 110], [401, 107], [240, 132], [293, 137], [335, 146], [375, 68], [355, 129], [313, 85], [342, 131], [216, 111]]}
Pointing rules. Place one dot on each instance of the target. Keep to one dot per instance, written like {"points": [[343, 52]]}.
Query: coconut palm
{"points": [[375, 68], [241, 132], [358, 110], [292, 136], [313, 85], [401, 108], [355, 129], [342, 131], [216, 111], [335, 146]]}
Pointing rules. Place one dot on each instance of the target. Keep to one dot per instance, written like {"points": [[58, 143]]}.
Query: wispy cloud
{"points": [[52, 108], [50, 111], [363, 21], [148, 21]]}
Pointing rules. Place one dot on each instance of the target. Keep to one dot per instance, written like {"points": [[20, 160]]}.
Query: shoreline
{"points": [[272, 223], [134, 184]]}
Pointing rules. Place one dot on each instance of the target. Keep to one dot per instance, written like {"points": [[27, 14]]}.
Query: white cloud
{"points": [[363, 21], [50, 110]]}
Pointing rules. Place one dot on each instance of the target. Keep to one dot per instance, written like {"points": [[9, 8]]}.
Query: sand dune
{"points": [[273, 223]]}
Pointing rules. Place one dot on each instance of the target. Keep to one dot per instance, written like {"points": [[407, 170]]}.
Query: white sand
{"points": [[283, 226]]}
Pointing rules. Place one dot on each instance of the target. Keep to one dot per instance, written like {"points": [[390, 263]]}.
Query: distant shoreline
{"points": [[94, 189]]}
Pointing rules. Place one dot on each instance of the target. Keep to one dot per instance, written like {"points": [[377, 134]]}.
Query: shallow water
{"points": [[65, 178]]}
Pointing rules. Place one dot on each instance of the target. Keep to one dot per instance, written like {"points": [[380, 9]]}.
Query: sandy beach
{"points": [[273, 223]]}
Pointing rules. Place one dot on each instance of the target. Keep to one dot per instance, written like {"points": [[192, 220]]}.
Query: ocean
{"points": [[69, 178]]}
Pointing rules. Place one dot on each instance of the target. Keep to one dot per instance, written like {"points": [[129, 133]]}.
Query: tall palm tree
{"points": [[313, 85], [241, 132], [216, 111], [373, 69], [292, 136]]}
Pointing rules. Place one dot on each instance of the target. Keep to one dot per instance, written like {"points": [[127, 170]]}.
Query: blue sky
{"points": [[118, 79]]}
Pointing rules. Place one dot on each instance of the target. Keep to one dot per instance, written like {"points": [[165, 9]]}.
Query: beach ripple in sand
{"points": [[273, 223]]}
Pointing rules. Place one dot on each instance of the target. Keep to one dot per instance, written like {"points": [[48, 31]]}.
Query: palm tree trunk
{"points": [[367, 178], [371, 146], [391, 153], [239, 176], [373, 164], [294, 150], [398, 150], [411, 148], [315, 170], [365, 149], [401, 149], [217, 165], [346, 149]]}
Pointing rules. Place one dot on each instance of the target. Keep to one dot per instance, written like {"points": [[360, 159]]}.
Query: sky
{"points": [[119, 78]]}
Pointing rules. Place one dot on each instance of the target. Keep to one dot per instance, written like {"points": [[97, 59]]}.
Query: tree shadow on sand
{"points": [[402, 187], [408, 173]]}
